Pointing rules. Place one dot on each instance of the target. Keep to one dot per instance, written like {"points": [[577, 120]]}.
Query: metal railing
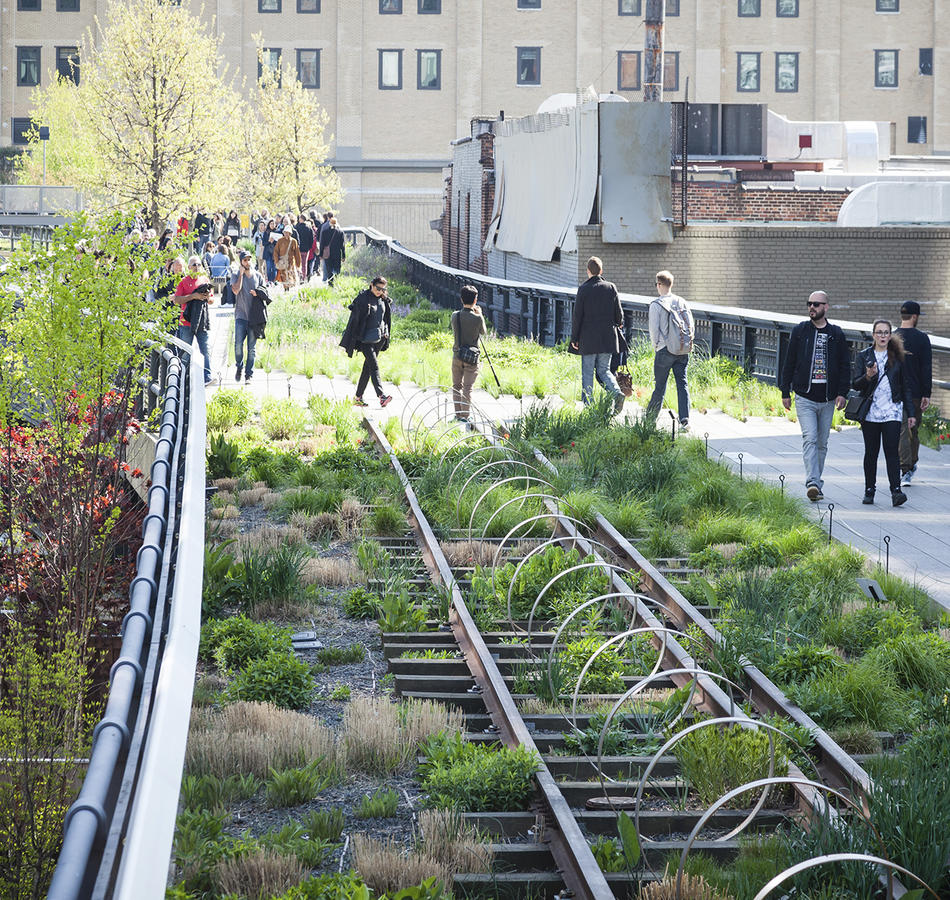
{"points": [[757, 341], [118, 833], [39, 200]]}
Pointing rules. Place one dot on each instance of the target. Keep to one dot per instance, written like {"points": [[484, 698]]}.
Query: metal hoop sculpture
{"points": [[528, 555], [463, 439], [708, 723], [792, 871], [609, 567], [405, 419], [496, 484], [495, 448], [502, 462], [770, 782], [520, 500]]}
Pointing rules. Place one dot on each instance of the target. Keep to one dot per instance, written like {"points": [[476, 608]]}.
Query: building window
{"points": [[529, 65], [268, 6], [888, 6], [786, 9], [67, 5], [628, 7], [390, 70], [529, 4], [672, 7], [786, 73], [885, 68], [29, 5], [926, 61], [67, 63], [21, 128], [308, 68], [748, 71], [390, 7], [628, 70], [430, 7], [308, 6], [27, 66], [750, 7], [429, 70], [916, 129], [270, 57], [671, 70]]}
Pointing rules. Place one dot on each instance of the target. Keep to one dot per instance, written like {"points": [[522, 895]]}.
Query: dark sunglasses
{"points": [[816, 305]]}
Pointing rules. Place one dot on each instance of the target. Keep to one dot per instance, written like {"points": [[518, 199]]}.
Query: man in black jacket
{"points": [[597, 316], [918, 363], [817, 369]]}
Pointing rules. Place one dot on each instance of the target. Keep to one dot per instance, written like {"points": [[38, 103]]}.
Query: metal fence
{"points": [[37, 200], [118, 833], [757, 341]]}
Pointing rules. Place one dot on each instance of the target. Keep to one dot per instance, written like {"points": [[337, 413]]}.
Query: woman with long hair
{"points": [[270, 272], [879, 372]]}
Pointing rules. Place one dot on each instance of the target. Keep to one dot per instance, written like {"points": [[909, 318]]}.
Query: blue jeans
{"points": [[599, 363], [815, 419], [663, 362], [243, 332], [187, 334], [271, 267]]}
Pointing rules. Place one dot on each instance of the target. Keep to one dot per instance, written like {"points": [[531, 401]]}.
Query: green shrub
{"points": [[916, 660], [763, 554], [233, 642], [269, 576], [807, 661], [858, 631], [340, 693], [359, 603], [386, 519], [224, 458], [228, 408], [609, 855], [311, 501], [381, 805], [218, 586], [709, 559], [282, 418], [294, 840], [338, 886], [399, 612], [291, 787], [714, 761], [216, 794], [324, 824], [278, 678], [476, 777], [605, 675]]}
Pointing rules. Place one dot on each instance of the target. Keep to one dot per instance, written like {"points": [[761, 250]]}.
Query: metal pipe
{"points": [[653, 51]]}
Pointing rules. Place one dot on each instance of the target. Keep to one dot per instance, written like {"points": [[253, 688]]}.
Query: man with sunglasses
{"points": [[817, 368]]}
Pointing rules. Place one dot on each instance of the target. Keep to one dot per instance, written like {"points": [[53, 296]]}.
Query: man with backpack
{"points": [[671, 332]]}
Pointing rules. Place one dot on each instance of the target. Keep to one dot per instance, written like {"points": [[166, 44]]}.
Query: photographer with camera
{"points": [[468, 325], [193, 295]]}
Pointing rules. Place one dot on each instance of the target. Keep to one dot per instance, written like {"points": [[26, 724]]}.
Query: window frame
{"points": [[14, 127], [438, 69], [620, 56], [878, 57], [396, 9], [879, 6], [758, 72], [529, 4], [39, 65], [269, 12], [428, 12], [925, 64], [73, 74], [749, 15], [518, 79], [921, 124], [67, 5], [308, 12], [780, 15], [672, 9], [29, 5], [380, 55], [315, 50], [260, 63], [636, 12], [794, 54], [673, 55]]}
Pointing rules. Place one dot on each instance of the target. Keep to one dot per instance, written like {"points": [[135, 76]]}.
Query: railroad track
{"points": [[583, 796]]}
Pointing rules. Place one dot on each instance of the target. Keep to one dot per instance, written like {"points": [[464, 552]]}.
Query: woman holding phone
{"points": [[879, 371]]}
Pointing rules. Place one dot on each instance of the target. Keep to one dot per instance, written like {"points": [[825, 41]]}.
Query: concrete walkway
{"points": [[916, 536]]}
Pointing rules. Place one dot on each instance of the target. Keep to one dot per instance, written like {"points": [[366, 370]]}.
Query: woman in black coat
{"points": [[368, 331], [879, 372]]}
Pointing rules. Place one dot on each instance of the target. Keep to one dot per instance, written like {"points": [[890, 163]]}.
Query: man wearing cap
{"points": [[244, 286], [918, 365]]}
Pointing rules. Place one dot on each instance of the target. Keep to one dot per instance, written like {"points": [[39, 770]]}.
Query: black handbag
{"points": [[469, 354], [858, 405]]}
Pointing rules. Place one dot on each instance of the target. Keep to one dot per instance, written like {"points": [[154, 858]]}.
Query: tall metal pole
{"points": [[653, 51]]}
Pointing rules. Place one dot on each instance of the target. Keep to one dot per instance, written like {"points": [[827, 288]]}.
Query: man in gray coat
{"points": [[597, 316]]}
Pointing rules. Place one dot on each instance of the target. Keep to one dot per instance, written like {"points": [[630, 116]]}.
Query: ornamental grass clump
{"points": [[381, 737], [261, 873], [387, 867]]}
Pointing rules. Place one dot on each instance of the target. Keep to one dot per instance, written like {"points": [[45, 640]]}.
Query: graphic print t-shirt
{"points": [[818, 392]]}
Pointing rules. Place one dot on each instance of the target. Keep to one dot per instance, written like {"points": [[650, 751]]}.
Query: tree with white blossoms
{"points": [[151, 123], [286, 145]]}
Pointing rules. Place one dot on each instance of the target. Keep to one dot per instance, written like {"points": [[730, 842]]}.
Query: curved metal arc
{"points": [[521, 499], [467, 436], [499, 462], [816, 861], [527, 479], [608, 567], [549, 542], [405, 419], [754, 785], [492, 447]]}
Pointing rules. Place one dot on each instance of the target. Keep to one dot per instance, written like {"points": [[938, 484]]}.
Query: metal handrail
{"points": [[756, 340], [142, 728]]}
